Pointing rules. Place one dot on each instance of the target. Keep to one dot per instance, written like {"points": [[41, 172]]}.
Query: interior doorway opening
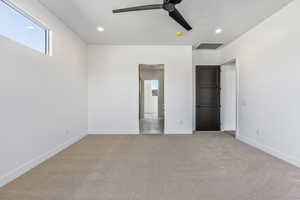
{"points": [[151, 98], [229, 97]]}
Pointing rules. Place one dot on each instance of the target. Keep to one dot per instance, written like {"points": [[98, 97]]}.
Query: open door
{"points": [[229, 106]]}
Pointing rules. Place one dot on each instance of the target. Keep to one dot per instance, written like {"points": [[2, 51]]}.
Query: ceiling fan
{"points": [[168, 5]]}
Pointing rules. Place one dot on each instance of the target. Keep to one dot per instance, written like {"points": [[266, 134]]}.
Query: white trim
{"points": [[178, 132], [270, 150], [136, 132], [19, 171], [237, 67], [228, 130], [113, 132]]}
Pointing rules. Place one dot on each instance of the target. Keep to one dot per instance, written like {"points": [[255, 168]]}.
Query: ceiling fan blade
{"points": [[180, 19], [139, 8], [175, 1]]}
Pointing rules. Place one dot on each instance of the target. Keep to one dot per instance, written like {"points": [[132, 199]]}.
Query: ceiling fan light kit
{"points": [[168, 5], [180, 34]]}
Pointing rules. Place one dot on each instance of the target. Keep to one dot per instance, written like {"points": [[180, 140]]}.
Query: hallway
{"points": [[152, 126]]}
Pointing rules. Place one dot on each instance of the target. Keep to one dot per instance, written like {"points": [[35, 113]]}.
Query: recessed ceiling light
{"points": [[219, 30], [30, 27], [100, 29]]}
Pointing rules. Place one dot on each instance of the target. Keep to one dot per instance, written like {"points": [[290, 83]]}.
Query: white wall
{"points": [[41, 97], [114, 87], [268, 61], [228, 97], [206, 57]]}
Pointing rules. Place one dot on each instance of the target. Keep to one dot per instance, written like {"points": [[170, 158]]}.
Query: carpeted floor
{"points": [[206, 166]]}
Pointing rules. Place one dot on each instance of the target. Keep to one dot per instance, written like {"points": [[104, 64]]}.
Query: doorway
{"points": [[151, 98], [229, 97], [208, 98]]}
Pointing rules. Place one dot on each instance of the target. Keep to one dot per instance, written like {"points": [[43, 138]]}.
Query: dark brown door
{"points": [[208, 98]]}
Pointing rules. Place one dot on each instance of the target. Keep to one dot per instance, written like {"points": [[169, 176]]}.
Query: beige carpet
{"points": [[206, 166]]}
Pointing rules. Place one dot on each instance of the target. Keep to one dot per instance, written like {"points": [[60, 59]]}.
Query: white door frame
{"points": [[164, 87], [234, 60]]}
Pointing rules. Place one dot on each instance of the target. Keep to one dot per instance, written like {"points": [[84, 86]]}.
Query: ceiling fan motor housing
{"points": [[170, 7]]}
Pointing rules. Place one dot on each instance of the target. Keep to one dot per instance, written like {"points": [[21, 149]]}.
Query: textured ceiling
{"points": [[155, 27]]}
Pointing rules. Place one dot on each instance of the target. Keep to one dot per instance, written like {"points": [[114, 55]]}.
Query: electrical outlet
{"points": [[258, 132], [244, 103]]}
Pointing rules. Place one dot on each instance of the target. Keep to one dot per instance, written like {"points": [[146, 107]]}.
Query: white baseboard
{"points": [[177, 132], [136, 132], [269, 150], [114, 132], [231, 130], [19, 171]]}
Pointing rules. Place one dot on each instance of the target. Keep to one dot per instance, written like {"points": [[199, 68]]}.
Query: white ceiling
{"points": [[155, 27]]}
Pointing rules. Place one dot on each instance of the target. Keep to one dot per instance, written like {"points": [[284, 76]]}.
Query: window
{"points": [[20, 27], [154, 86]]}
